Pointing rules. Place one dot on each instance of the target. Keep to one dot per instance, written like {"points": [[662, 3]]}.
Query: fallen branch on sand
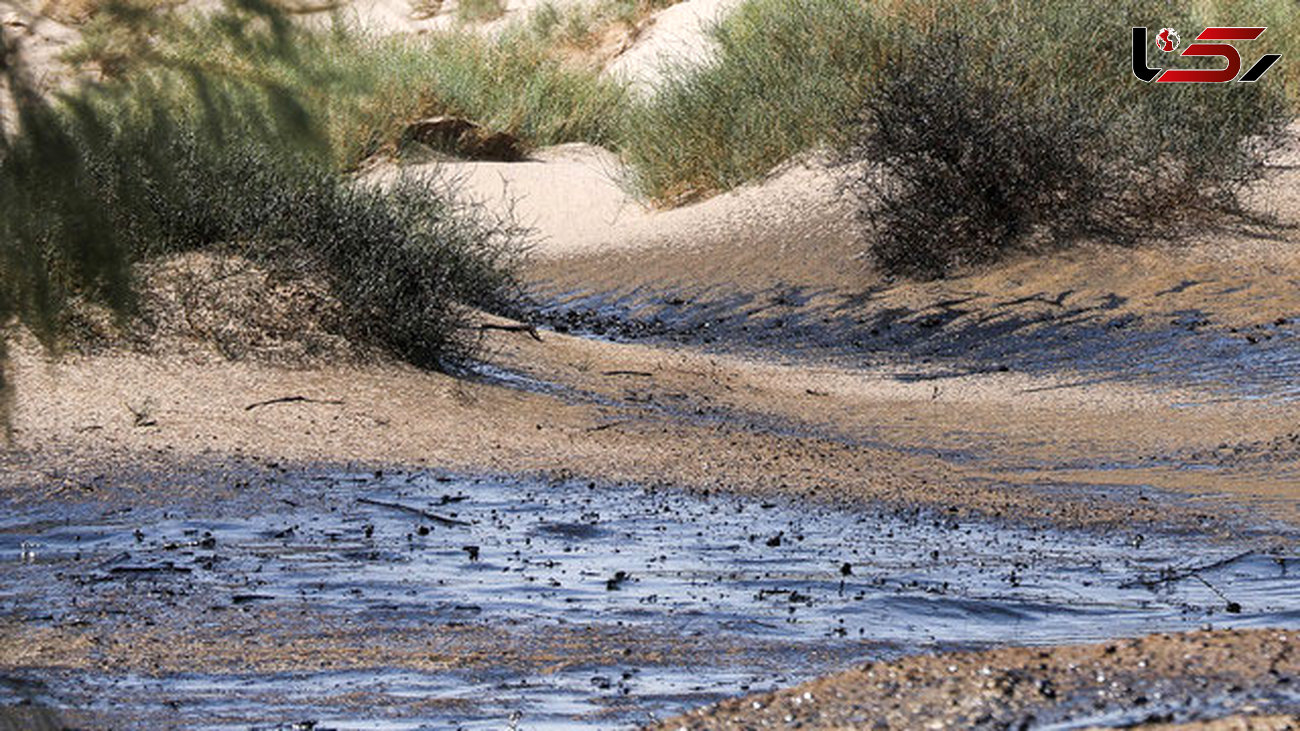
{"points": [[1229, 605], [444, 520], [1170, 575], [530, 329], [292, 400]]}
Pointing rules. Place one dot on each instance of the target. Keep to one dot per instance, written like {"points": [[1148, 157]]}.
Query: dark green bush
{"points": [[363, 90], [193, 157], [974, 151], [787, 74], [965, 170], [406, 261]]}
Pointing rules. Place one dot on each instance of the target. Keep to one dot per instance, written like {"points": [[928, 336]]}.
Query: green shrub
{"points": [[789, 74], [581, 24], [186, 156], [978, 148], [118, 34], [785, 75], [406, 261], [965, 169], [507, 84], [364, 90]]}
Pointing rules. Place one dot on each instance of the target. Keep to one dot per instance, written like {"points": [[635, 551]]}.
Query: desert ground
{"points": [[714, 472]]}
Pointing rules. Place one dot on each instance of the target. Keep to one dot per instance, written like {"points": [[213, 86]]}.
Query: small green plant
{"points": [[119, 36], [406, 261], [983, 173], [631, 12], [785, 75], [581, 26], [421, 9], [544, 21]]}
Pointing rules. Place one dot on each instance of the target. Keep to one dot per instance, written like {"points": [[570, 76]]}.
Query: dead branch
{"points": [[292, 400], [1229, 605], [442, 519], [530, 329], [1169, 576]]}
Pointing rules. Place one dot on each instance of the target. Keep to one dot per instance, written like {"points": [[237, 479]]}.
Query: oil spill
{"points": [[670, 600], [946, 340]]}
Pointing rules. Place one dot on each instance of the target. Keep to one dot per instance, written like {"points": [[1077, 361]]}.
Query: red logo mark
{"points": [[1167, 40]]}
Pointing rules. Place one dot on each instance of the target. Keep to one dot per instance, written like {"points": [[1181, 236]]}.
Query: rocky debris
{"points": [[1281, 449], [465, 139]]}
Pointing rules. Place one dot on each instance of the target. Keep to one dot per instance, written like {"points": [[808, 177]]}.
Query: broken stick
{"points": [[1169, 576], [530, 329], [292, 400], [444, 520]]}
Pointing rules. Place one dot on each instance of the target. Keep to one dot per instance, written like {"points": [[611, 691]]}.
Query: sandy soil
{"points": [[1029, 447], [33, 43], [658, 415], [677, 35], [648, 413], [1020, 688], [577, 201]]}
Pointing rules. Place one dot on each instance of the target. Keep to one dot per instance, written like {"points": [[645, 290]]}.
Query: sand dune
{"points": [[577, 201]]}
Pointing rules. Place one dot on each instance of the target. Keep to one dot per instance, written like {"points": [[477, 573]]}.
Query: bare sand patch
{"points": [[678, 35]]}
